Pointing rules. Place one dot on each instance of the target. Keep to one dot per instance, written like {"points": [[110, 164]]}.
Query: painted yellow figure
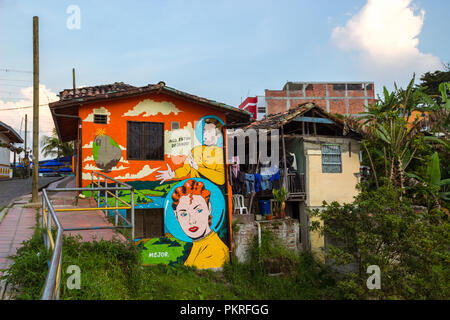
{"points": [[192, 209], [209, 252], [204, 161]]}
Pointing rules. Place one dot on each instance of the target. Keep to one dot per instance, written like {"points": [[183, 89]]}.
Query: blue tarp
{"points": [[52, 163]]}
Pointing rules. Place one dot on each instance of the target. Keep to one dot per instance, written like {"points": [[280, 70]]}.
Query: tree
{"points": [[389, 135], [431, 81], [52, 146], [410, 246]]}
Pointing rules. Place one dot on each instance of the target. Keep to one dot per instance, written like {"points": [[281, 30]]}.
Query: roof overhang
{"points": [[9, 132], [65, 113]]}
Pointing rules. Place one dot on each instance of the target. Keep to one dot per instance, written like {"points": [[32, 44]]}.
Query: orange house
{"points": [[171, 147]]}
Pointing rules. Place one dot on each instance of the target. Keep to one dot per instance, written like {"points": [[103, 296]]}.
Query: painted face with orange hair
{"points": [[192, 208]]}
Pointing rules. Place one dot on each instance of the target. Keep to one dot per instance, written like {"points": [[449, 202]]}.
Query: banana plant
{"points": [[433, 178]]}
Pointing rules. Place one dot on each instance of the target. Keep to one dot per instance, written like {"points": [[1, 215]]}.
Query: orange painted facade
{"points": [[194, 155]]}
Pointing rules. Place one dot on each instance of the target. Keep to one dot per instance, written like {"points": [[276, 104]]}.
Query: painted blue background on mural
{"points": [[217, 200], [199, 128]]}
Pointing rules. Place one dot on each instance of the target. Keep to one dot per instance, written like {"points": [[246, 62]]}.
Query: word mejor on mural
{"points": [[187, 184]]}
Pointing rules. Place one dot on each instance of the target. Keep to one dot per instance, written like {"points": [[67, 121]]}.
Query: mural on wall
{"points": [[194, 214], [206, 160], [106, 151], [188, 186]]}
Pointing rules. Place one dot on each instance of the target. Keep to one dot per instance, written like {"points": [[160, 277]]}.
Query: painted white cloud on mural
{"points": [[101, 110], [118, 168], [122, 160], [385, 34], [88, 145], [149, 107], [91, 167], [145, 171], [89, 158]]}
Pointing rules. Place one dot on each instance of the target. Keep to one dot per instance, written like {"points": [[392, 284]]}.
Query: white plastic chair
{"points": [[238, 203]]}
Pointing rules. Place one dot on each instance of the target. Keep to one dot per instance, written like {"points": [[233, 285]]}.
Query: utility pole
{"points": [[26, 133], [26, 159], [35, 183]]}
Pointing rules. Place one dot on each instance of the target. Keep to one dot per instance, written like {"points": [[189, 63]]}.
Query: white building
{"points": [[7, 136]]}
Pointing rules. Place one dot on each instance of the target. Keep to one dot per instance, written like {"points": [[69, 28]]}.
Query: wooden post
{"points": [[26, 133], [27, 155], [73, 79], [284, 161], [35, 183]]}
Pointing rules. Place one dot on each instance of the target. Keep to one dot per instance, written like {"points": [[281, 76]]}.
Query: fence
{"points": [[53, 240]]}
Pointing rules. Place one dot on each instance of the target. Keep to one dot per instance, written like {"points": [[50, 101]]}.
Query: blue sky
{"points": [[222, 50]]}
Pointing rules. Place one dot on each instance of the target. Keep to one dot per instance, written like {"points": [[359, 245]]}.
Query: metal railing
{"points": [[52, 284]]}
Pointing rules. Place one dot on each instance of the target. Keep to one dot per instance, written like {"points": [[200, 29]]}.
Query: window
{"points": [[261, 109], [145, 140], [100, 118], [331, 158], [337, 87], [149, 223], [355, 86]]}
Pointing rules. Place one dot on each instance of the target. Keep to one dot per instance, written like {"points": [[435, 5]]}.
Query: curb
{"points": [[10, 204]]}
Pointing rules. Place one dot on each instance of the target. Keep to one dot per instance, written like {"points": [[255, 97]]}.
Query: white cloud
{"points": [[145, 171], [149, 107], [15, 118], [385, 32]]}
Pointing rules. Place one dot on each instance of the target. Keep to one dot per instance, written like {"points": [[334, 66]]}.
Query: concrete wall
{"points": [[245, 230], [4, 158], [330, 187]]}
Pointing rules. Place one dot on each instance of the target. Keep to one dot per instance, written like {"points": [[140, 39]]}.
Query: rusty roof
{"points": [[276, 120]]}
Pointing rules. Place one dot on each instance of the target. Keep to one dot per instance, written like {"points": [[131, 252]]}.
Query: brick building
{"points": [[349, 98]]}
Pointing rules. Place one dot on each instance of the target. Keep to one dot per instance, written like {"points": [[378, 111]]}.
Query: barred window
{"points": [[100, 118], [331, 158], [145, 140]]}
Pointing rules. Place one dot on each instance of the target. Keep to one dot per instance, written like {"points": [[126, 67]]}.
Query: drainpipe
{"points": [[225, 186]]}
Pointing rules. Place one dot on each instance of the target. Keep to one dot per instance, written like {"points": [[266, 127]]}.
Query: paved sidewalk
{"points": [[18, 223], [82, 219], [16, 227]]}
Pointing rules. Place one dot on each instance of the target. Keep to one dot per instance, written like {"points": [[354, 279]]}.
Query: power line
{"points": [[17, 108], [14, 70], [11, 85], [23, 80], [13, 98]]}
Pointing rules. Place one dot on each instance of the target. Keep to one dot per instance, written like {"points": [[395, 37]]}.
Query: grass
{"points": [[112, 270]]}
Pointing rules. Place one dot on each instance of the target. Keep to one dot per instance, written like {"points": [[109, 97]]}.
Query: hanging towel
{"points": [[235, 166], [250, 182], [257, 182], [266, 184]]}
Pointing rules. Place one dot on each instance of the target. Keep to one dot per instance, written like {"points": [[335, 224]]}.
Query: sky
{"points": [[220, 50]]}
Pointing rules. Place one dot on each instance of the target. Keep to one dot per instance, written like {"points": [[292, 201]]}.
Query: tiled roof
{"points": [[68, 94], [273, 121]]}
